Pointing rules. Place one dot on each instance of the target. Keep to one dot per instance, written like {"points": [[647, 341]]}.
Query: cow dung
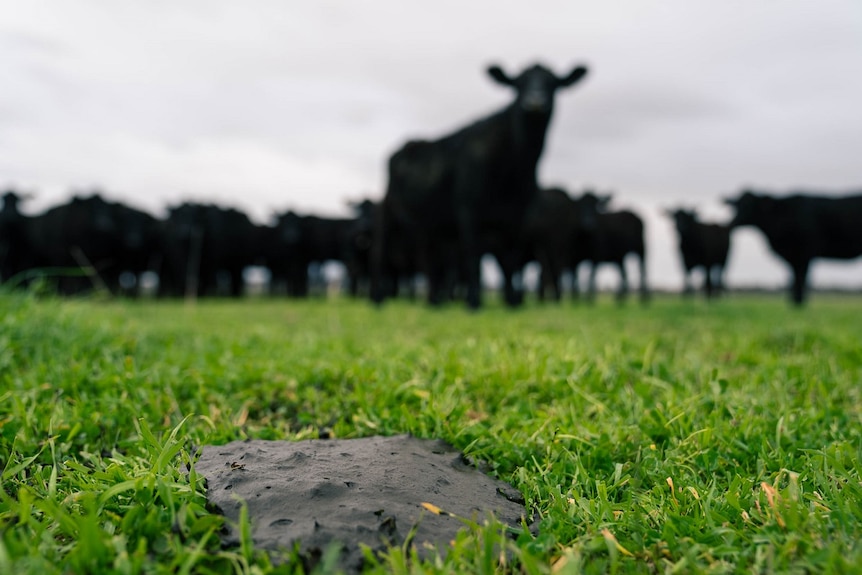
{"points": [[349, 492]]}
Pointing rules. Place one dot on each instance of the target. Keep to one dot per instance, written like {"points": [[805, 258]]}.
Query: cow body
{"points": [[100, 238], [550, 229], [468, 192], [803, 227], [609, 238], [703, 246], [206, 249], [16, 251], [298, 242]]}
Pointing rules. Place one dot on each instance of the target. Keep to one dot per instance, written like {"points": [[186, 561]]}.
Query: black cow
{"points": [[206, 249], [608, 238], [449, 195], [302, 243], [285, 254], [16, 252], [550, 228], [802, 227], [704, 246], [100, 238], [360, 239]]}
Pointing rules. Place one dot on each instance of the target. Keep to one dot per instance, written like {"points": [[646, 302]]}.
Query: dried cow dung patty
{"points": [[351, 491]]}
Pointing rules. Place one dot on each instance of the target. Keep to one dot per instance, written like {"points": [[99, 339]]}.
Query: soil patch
{"points": [[351, 491]]}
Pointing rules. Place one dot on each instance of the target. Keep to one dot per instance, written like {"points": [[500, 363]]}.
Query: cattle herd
{"points": [[448, 203]]}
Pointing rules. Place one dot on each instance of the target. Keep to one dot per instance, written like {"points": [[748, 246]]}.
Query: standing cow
{"points": [[549, 230], [704, 246], [474, 184], [609, 238], [206, 248], [16, 250], [801, 227], [92, 242]]}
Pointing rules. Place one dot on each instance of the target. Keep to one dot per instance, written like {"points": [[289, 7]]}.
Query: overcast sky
{"points": [[269, 105]]}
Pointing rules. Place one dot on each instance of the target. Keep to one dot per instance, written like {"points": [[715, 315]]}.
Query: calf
{"points": [[608, 237], [702, 246]]}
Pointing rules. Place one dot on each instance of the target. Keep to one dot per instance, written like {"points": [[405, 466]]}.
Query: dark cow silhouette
{"points": [[360, 239], [608, 238], [206, 249], [16, 253], [103, 239], [550, 228], [301, 243], [702, 245], [449, 196], [284, 254], [801, 227]]}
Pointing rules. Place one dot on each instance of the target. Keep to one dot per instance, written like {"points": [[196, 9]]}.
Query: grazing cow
{"points": [[702, 246], [103, 239], [448, 196], [608, 237], [801, 227]]}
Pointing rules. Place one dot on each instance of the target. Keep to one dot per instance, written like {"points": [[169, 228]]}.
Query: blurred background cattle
{"points": [[449, 203], [196, 250], [702, 246], [801, 227]]}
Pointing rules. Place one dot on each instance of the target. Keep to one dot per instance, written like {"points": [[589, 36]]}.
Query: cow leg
{"points": [[513, 294], [644, 290], [576, 288], [236, 282], [540, 289], [800, 279], [591, 285], [552, 278], [687, 289], [623, 290], [707, 281], [378, 248], [718, 284], [471, 258]]}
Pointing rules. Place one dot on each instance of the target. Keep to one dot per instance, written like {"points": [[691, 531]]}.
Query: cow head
{"points": [[588, 206], [684, 219], [12, 199], [751, 208], [536, 86]]}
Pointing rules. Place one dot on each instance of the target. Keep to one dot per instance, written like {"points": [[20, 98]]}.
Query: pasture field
{"points": [[675, 438]]}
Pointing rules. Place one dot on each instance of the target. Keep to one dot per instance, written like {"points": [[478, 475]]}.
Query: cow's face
{"points": [[588, 207], [751, 208], [536, 86], [684, 219]]}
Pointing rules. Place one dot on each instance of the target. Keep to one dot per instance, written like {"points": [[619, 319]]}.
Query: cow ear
{"points": [[575, 76], [499, 75]]}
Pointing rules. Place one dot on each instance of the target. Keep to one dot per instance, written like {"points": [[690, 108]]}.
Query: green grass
{"points": [[680, 437]]}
